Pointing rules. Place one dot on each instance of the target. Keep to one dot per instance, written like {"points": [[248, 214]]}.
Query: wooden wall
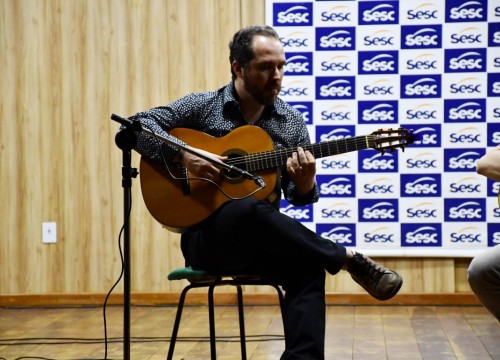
{"points": [[66, 66]]}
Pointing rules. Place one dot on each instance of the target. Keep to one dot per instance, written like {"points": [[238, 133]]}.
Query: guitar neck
{"points": [[277, 158]]}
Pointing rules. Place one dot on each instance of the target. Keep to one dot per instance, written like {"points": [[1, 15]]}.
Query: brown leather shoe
{"points": [[378, 281]]}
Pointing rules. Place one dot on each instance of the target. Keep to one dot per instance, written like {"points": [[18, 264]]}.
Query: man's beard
{"points": [[257, 94]]}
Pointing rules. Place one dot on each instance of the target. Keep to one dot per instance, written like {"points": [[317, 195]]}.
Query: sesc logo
{"points": [[467, 86], [337, 14], [376, 13], [457, 111], [295, 40], [377, 112], [379, 186], [378, 210], [338, 38], [416, 235], [421, 37], [493, 188], [493, 84], [380, 38], [333, 133], [302, 213], [332, 88], [418, 86], [462, 159], [289, 14], [467, 235], [493, 234], [299, 63], [428, 135], [333, 163], [466, 11], [428, 185], [493, 134], [305, 108], [422, 211], [378, 163], [295, 89], [337, 211], [380, 87], [423, 161], [338, 63], [465, 209], [496, 113], [423, 111], [377, 62], [468, 186], [380, 235], [336, 113], [459, 60], [466, 136], [338, 186], [467, 36], [344, 234], [493, 34], [426, 11], [422, 62]]}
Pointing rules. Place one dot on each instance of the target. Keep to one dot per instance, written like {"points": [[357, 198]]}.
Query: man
{"points": [[250, 236], [484, 270]]}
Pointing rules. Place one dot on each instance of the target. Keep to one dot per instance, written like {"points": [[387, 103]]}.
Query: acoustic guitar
{"points": [[181, 203]]}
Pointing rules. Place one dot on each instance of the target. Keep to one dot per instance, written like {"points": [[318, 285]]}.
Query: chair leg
{"points": [[177, 322], [241, 315], [211, 319], [280, 297]]}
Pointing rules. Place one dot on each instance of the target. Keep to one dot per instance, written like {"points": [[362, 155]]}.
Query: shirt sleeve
{"points": [[160, 120]]}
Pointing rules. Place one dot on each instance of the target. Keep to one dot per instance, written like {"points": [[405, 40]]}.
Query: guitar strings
{"points": [[358, 142]]}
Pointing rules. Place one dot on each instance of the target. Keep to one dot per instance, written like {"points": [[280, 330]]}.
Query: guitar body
{"points": [[179, 204]]}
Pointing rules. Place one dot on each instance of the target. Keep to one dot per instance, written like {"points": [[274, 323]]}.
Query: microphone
{"points": [[132, 124]]}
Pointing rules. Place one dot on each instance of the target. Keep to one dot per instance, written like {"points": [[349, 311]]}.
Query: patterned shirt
{"points": [[217, 113]]}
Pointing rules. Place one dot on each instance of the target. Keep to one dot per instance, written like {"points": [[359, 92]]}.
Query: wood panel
{"points": [[66, 66]]}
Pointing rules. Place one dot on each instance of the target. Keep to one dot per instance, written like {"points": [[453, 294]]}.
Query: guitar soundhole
{"points": [[232, 176]]}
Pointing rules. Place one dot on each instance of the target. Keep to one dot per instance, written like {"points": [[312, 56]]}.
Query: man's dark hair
{"points": [[240, 47]]}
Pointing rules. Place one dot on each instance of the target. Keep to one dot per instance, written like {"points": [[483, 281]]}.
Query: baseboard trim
{"points": [[199, 298]]}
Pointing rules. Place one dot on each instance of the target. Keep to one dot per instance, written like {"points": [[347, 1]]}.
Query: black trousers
{"points": [[253, 237]]}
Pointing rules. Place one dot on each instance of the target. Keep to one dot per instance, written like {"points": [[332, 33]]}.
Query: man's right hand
{"points": [[199, 167]]}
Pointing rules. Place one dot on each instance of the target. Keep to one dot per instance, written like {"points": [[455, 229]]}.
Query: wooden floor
{"points": [[353, 332]]}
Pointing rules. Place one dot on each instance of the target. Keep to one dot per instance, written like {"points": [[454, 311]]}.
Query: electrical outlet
{"points": [[49, 232]]}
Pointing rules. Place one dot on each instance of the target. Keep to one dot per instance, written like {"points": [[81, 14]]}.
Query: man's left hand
{"points": [[301, 167]]}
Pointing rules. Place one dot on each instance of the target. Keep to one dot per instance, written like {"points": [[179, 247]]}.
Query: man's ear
{"points": [[237, 68]]}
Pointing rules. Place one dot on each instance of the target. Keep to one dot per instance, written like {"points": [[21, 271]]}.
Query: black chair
{"points": [[201, 279]]}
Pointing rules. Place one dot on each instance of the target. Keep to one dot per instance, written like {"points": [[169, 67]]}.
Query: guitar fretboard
{"points": [[277, 158]]}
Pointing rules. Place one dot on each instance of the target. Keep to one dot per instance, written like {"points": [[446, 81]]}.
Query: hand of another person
{"points": [[489, 164], [301, 167]]}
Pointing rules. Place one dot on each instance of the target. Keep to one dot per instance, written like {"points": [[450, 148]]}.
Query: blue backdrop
{"points": [[432, 66]]}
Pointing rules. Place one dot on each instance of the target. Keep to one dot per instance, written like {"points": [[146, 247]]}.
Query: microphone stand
{"points": [[126, 140]]}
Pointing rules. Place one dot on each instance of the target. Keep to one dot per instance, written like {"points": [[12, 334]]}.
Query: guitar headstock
{"points": [[392, 139]]}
